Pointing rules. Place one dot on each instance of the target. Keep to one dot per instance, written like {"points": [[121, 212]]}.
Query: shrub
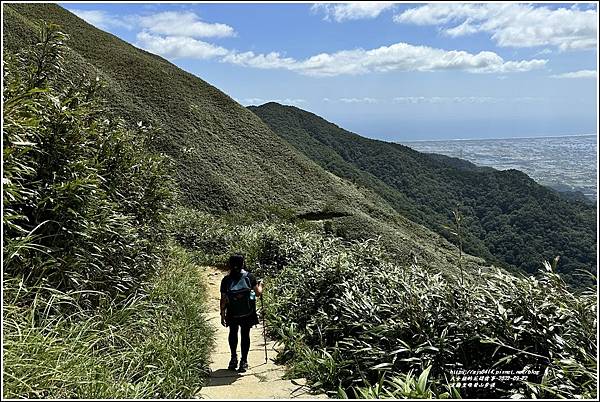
{"points": [[370, 316], [94, 304], [83, 200], [268, 246]]}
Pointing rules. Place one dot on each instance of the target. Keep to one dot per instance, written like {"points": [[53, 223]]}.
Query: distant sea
{"points": [[565, 163]]}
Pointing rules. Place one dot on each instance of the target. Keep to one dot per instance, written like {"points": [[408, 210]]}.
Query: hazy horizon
{"points": [[502, 138]]}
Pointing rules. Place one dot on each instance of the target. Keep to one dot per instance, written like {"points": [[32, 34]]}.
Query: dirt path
{"points": [[262, 380]]}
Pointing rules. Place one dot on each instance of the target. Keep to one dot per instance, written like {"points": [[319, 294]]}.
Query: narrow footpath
{"points": [[262, 380]]}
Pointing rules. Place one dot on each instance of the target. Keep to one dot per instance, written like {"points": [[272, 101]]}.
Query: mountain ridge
{"points": [[509, 219], [227, 160], [205, 115]]}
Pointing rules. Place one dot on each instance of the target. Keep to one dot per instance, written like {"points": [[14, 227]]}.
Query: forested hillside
{"points": [[225, 159], [125, 176], [507, 217]]}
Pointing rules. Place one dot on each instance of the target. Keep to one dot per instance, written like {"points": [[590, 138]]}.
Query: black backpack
{"points": [[239, 299]]}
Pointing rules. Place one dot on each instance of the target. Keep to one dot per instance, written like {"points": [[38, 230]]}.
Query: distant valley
{"points": [[565, 163], [509, 219]]}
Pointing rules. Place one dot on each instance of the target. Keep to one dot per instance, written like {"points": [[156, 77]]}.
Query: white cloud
{"points": [[462, 99], [252, 101], [577, 74], [438, 100], [173, 47], [397, 57], [264, 61], [170, 34], [511, 24], [103, 20], [293, 101], [351, 11], [543, 52], [168, 23], [443, 99], [466, 28], [174, 23], [359, 100], [175, 35]]}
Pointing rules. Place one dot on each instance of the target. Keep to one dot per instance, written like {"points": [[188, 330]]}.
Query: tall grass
{"points": [[155, 344], [95, 304], [355, 322], [83, 199]]}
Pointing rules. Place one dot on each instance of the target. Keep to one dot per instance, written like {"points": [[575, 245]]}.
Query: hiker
{"points": [[238, 308]]}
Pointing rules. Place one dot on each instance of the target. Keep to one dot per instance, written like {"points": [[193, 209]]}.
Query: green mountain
{"points": [[508, 218], [219, 147], [226, 159]]}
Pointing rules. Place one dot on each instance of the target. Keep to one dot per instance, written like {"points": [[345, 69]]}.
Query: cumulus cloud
{"points": [[397, 57], [173, 47], [178, 35], [174, 23], [577, 74], [511, 24], [103, 20], [167, 23], [264, 61], [351, 11]]}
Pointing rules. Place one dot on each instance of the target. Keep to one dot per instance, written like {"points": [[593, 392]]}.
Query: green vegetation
{"points": [[96, 303], [154, 344], [508, 219], [102, 289], [403, 386], [355, 322], [398, 319], [224, 158], [83, 200]]}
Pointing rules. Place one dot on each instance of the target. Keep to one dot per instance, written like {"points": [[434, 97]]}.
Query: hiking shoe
{"points": [[232, 363], [243, 366]]}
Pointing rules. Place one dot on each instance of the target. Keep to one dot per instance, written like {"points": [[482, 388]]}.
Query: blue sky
{"points": [[393, 71]]}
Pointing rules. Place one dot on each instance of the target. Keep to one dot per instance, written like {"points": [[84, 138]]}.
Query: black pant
{"points": [[233, 339]]}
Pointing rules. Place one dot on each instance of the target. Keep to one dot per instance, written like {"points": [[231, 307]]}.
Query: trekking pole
{"points": [[262, 308]]}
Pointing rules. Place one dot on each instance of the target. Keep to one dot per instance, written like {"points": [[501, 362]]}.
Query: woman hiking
{"points": [[239, 289]]}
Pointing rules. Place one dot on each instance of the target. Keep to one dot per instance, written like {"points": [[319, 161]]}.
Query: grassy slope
{"points": [[118, 351], [235, 163], [227, 159], [509, 217]]}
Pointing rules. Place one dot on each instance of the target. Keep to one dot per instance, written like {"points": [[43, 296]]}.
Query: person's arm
{"points": [[223, 304], [258, 289], [223, 309]]}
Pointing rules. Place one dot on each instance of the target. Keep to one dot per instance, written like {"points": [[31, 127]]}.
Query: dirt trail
{"points": [[262, 380]]}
